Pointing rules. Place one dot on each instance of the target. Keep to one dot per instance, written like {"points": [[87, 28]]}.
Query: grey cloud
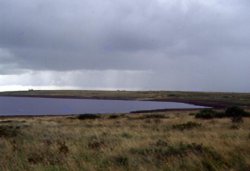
{"points": [[189, 39]]}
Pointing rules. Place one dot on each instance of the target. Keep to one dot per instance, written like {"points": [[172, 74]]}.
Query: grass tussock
{"points": [[154, 116], [88, 116], [114, 116], [179, 150], [48, 154], [187, 126], [9, 131], [123, 143]]}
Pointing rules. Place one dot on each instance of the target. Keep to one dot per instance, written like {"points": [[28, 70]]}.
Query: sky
{"points": [[187, 45]]}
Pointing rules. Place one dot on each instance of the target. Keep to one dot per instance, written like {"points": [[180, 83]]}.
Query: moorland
{"points": [[207, 139]]}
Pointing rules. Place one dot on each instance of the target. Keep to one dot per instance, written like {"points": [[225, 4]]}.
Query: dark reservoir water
{"points": [[60, 106]]}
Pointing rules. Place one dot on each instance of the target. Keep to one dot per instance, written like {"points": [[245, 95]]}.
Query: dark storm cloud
{"points": [[183, 41]]}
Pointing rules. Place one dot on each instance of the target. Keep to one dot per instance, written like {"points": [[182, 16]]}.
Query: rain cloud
{"points": [[193, 45]]}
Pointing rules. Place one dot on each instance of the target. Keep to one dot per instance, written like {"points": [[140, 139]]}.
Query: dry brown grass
{"points": [[127, 142]]}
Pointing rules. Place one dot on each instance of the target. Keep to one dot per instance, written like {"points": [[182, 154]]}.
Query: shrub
{"points": [[182, 150], [161, 143], [35, 158], [208, 165], [97, 144], [63, 148], [206, 114], [177, 150], [88, 116], [188, 125], [192, 114], [126, 135], [154, 116], [121, 160], [235, 112], [238, 162], [234, 126], [115, 116], [103, 142], [237, 119], [45, 158], [9, 131]]}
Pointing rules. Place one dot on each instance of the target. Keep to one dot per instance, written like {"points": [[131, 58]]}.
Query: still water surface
{"points": [[61, 106]]}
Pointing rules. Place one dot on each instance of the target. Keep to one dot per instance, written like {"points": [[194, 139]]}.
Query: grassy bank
{"points": [[152, 141], [198, 98]]}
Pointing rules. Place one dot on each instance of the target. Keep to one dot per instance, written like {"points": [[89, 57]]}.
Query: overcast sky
{"points": [[195, 45]]}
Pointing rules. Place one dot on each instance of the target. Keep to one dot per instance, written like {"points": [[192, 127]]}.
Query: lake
{"points": [[10, 106]]}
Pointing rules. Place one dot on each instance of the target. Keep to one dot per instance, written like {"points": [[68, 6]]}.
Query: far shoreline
{"points": [[212, 104], [217, 100]]}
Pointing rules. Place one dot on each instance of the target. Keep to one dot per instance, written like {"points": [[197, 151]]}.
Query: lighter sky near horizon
{"points": [[188, 45]]}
